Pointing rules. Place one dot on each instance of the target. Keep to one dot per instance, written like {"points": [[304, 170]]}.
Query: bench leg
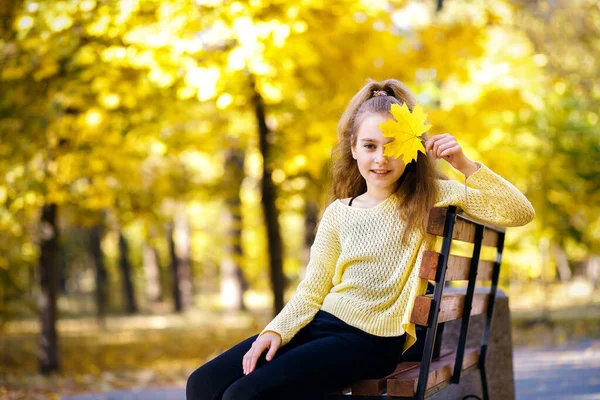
{"points": [[484, 384]]}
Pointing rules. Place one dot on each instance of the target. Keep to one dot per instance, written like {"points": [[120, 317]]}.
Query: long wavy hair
{"points": [[416, 188]]}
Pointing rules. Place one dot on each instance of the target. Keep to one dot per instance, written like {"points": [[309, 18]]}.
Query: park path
{"points": [[568, 371], [564, 372]]}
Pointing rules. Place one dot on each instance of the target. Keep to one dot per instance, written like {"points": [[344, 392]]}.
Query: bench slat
{"points": [[440, 372], [451, 307], [457, 270], [340, 392], [490, 238], [375, 387], [464, 228]]}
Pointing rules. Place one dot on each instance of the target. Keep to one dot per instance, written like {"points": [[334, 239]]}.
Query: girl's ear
{"points": [[353, 152]]}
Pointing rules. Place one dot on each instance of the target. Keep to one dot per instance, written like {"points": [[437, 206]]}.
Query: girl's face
{"points": [[380, 172]]}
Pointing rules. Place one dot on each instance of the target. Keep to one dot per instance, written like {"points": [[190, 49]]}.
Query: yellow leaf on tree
{"points": [[406, 131]]}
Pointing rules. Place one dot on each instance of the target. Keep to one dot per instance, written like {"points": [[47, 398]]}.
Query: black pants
{"points": [[326, 354]]}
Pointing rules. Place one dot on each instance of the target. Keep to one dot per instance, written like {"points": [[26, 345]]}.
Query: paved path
{"points": [[147, 394], [570, 371], [554, 373]]}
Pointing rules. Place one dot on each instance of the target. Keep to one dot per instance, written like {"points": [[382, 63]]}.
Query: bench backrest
{"points": [[443, 266]]}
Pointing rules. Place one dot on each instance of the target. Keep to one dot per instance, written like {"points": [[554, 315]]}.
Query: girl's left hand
{"points": [[445, 146]]}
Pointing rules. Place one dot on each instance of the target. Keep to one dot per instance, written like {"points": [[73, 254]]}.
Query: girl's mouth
{"points": [[380, 172]]}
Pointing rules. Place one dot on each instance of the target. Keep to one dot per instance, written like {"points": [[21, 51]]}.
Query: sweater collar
{"points": [[383, 204]]}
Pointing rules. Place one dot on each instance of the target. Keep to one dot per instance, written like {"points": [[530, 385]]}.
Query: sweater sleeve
{"points": [[490, 199], [317, 282]]}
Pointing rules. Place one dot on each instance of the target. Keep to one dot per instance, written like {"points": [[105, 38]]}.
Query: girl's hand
{"points": [[269, 340], [445, 146]]}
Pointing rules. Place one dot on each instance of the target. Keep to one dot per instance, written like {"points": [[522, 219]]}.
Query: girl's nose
{"points": [[381, 159]]}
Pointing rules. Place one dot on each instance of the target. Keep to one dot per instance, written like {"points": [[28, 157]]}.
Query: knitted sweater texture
{"points": [[360, 272]]}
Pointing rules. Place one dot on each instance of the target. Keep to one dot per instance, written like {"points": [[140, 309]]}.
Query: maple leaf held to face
{"points": [[406, 132]]}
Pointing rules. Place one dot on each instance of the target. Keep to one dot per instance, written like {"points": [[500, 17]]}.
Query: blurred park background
{"points": [[163, 164]]}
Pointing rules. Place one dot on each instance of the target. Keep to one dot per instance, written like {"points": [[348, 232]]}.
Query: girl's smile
{"points": [[381, 172]]}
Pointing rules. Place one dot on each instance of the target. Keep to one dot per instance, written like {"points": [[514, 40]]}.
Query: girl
{"points": [[350, 316]]}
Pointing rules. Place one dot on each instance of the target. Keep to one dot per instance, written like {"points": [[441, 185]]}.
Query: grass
{"points": [[130, 352]]}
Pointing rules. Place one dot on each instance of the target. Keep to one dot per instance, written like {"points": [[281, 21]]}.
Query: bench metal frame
{"points": [[432, 325]]}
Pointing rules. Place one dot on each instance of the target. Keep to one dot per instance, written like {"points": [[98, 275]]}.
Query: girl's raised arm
{"points": [[491, 198]]}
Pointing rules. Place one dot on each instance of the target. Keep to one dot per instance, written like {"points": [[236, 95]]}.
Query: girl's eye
{"points": [[369, 146]]}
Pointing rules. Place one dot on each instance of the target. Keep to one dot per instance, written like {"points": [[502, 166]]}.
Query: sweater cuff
{"points": [[270, 330], [480, 166], [475, 176]]}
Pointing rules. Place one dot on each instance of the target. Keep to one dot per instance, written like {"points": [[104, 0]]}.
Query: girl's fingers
{"points": [[442, 144], [431, 141], [447, 145], [450, 151], [436, 146], [440, 140], [257, 352], [272, 351], [247, 358], [245, 361]]}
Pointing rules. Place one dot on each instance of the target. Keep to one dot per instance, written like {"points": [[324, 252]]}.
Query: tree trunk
{"points": [[311, 215], [152, 274], [593, 270], [562, 264], [439, 6], [233, 282], [101, 282], [125, 266], [62, 271], [269, 195], [180, 250], [49, 248]]}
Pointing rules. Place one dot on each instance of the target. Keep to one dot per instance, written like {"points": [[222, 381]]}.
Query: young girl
{"points": [[350, 316]]}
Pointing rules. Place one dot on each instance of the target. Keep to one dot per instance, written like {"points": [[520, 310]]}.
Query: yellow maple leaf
{"points": [[406, 131]]}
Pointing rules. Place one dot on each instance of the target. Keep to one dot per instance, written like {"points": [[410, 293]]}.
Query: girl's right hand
{"points": [[269, 340]]}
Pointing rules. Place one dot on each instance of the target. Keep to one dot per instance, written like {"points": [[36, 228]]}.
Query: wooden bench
{"points": [[433, 370]]}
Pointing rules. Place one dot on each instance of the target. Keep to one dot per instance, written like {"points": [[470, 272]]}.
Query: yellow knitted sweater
{"points": [[359, 272]]}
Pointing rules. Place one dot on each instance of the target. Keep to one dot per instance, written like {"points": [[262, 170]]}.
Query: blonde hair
{"points": [[417, 187]]}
